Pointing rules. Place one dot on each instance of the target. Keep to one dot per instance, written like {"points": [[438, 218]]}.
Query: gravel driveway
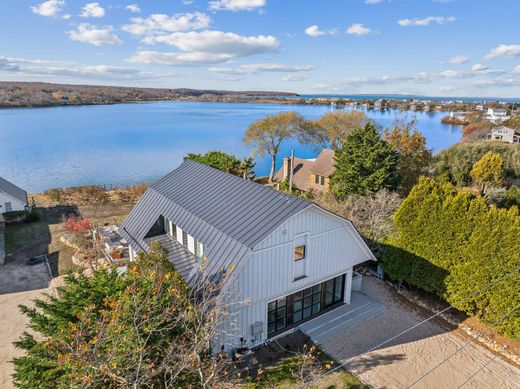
{"points": [[403, 361], [19, 284]]}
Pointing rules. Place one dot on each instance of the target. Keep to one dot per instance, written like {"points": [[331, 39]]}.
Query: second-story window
{"points": [[300, 257], [184, 239]]}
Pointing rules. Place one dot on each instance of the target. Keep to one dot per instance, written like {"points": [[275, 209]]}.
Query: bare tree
{"points": [[267, 134], [330, 130]]}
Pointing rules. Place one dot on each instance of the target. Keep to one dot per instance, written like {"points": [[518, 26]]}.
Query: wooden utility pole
{"points": [[291, 167]]}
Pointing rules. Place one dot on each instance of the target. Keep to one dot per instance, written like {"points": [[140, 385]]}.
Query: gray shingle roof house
{"points": [[277, 247], [12, 197]]}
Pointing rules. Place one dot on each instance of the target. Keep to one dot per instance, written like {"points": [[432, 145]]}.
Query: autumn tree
{"points": [[266, 135], [330, 130], [414, 157], [365, 164], [488, 171], [225, 162], [144, 328]]}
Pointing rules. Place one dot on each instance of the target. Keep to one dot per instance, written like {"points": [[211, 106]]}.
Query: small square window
{"points": [[299, 252]]}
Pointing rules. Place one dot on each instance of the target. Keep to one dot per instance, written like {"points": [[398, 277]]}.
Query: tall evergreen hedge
{"points": [[451, 243]]}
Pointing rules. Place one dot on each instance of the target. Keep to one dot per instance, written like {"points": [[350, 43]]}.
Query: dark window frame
{"points": [[295, 305]]}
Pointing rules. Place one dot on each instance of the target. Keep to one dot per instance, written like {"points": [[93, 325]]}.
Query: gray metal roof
{"points": [[227, 214], [13, 190]]}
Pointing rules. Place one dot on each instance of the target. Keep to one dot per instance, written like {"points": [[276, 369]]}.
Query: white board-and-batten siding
{"points": [[16, 205], [333, 248]]}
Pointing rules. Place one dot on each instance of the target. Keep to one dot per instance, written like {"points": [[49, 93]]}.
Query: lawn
{"points": [[282, 375], [294, 360]]}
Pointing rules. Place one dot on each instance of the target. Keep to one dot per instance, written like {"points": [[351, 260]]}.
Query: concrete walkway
{"points": [[330, 324]]}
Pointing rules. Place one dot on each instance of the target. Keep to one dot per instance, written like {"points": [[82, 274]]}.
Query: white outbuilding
{"points": [[12, 197]]}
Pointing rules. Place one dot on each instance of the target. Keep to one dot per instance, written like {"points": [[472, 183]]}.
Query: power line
{"points": [[460, 348], [480, 369], [344, 364]]}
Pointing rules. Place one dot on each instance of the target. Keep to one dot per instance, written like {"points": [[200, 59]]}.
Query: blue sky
{"points": [[431, 47]]}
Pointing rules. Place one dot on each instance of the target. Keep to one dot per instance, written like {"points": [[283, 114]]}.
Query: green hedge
{"points": [[451, 243]]}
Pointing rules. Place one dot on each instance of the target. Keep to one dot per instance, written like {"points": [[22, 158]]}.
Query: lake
{"points": [[124, 144]]}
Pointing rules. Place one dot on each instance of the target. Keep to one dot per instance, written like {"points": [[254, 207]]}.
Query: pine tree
{"points": [[364, 164]]}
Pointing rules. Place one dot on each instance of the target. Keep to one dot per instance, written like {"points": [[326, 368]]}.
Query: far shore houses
{"points": [[504, 134]]}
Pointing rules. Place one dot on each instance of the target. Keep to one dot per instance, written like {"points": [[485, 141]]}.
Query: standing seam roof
{"points": [[227, 214]]}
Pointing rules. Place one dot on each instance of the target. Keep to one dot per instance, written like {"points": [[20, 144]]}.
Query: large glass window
{"points": [[334, 290], [276, 315], [304, 304]]}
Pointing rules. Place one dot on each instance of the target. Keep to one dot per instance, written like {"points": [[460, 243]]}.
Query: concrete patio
{"points": [[339, 320]]}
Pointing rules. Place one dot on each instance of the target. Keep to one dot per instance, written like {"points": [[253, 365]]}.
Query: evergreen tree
{"points": [[225, 162], [145, 328], [488, 171], [364, 164]]}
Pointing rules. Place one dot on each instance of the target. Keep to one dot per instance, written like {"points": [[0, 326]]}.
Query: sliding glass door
{"points": [[298, 307]]}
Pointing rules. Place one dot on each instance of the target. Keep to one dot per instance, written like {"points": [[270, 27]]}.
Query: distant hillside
{"points": [[36, 94]]}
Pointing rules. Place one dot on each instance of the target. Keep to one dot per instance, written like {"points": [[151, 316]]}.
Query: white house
{"points": [[504, 134], [496, 115], [12, 198], [288, 259]]}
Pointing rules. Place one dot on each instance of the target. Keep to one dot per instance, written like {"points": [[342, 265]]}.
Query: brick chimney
{"points": [[287, 166]]}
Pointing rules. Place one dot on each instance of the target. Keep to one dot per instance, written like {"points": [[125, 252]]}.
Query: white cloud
{"points": [[94, 35], [458, 59], [358, 29], [294, 77], [315, 31], [49, 8], [236, 5], [161, 23], [92, 10], [134, 8], [517, 70], [205, 47], [504, 51], [39, 67], [373, 1], [479, 67], [261, 67], [426, 21]]}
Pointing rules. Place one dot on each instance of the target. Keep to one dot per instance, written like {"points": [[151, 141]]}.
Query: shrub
{"points": [[457, 161], [451, 243], [511, 198]]}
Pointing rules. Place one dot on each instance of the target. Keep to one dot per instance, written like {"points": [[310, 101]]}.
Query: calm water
{"points": [[129, 143]]}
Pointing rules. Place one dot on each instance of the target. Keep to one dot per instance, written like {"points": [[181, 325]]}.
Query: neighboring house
{"points": [[2, 240], [288, 260], [309, 173], [12, 198], [496, 114], [504, 134]]}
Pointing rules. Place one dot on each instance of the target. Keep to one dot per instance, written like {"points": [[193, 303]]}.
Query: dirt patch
{"points": [[412, 355]]}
